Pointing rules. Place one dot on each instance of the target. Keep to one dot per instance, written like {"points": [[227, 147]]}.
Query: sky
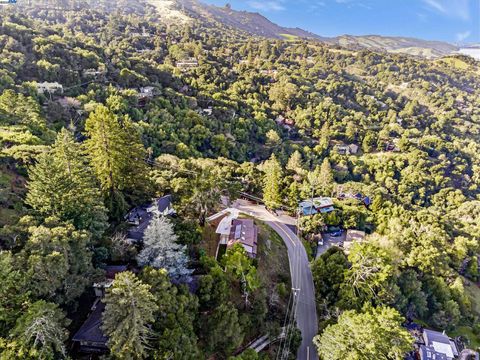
{"points": [[456, 21]]}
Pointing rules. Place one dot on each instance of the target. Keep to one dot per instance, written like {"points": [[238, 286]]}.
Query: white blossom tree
{"points": [[161, 250]]}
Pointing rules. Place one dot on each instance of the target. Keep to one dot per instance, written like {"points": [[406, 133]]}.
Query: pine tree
{"points": [[326, 178], [160, 248], [12, 292], [62, 185], [116, 156], [129, 312], [39, 334], [295, 164], [58, 261], [272, 180]]}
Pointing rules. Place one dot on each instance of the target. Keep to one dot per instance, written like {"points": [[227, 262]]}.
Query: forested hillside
{"points": [[198, 111]]}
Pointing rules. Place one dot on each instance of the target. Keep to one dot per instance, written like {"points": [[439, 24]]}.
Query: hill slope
{"points": [[258, 25]]}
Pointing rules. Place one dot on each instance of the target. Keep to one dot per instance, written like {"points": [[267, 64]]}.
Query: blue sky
{"points": [[448, 20]]}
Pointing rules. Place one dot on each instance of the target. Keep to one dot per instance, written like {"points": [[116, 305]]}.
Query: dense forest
{"points": [[200, 112]]}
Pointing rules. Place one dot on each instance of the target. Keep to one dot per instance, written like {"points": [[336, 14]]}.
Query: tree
{"points": [[374, 334], [38, 334], [62, 185], [13, 294], [368, 276], [325, 178], [129, 312], [238, 264], [58, 261], [295, 163], [174, 318], [222, 330], [272, 180], [116, 156], [160, 248]]}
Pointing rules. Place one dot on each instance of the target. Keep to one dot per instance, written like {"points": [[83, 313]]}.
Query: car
{"points": [[336, 233], [320, 242]]}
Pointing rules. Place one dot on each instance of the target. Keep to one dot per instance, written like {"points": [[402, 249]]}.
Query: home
{"points": [[352, 237], [50, 87], [233, 230], [147, 92], [90, 338], [69, 102], [287, 124], [437, 345], [344, 149], [92, 73], [208, 111], [141, 216], [316, 205], [392, 146], [187, 63]]}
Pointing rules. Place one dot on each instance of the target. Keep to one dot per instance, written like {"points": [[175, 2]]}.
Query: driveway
{"points": [[300, 273], [329, 241]]}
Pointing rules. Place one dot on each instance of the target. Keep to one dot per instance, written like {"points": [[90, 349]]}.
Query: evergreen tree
{"points": [[13, 293], [39, 334], [62, 185], [58, 261], [295, 163], [272, 180], [174, 317], [160, 248], [326, 178], [129, 312], [375, 334], [116, 156]]}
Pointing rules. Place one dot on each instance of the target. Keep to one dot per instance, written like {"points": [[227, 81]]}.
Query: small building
{"points": [[242, 231], [50, 87], [141, 216], [344, 149], [438, 346], [316, 205], [90, 337], [187, 63], [352, 237], [147, 92], [92, 73], [69, 102]]}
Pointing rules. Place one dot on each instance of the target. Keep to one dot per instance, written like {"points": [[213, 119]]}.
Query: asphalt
{"points": [[306, 312]]}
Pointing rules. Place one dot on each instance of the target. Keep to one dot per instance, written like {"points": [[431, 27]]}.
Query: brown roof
{"points": [[245, 232]]}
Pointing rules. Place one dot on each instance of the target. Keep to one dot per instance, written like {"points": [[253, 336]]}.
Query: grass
{"points": [[456, 63], [289, 37]]}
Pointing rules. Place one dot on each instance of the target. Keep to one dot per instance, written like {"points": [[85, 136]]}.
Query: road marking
{"points": [[288, 236]]}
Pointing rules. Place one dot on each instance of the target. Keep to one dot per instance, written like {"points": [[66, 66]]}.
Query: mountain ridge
{"points": [[257, 24]]}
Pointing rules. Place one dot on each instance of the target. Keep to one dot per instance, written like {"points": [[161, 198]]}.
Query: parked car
{"points": [[336, 233]]}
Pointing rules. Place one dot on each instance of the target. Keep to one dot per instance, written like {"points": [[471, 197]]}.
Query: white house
{"points": [[50, 87]]}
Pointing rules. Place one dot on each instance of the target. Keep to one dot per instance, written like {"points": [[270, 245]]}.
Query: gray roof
{"points": [[429, 353], [91, 330]]}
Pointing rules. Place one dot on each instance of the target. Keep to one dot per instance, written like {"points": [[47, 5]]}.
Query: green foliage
{"points": [[38, 334], [272, 180], [62, 185], [374, 334], [129, 311]]}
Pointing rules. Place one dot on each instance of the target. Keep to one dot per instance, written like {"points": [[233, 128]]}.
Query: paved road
{"points": [[300, 273]]}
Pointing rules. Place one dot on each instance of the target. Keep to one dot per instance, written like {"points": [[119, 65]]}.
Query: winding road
{"points": [[300, 273]]}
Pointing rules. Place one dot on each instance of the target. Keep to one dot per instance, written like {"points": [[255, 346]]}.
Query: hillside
{"points": [[256, 24]]}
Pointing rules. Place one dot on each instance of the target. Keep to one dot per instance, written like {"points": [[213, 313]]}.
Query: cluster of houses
{"points": [[234, 230], [90, 337]]}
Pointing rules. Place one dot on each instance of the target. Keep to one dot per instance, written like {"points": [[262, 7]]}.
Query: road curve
{"points": [[300, 273]]}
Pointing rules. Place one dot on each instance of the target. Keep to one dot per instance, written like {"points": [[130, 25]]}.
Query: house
{"points": [[90, 337], [344, 149], [316, 205], [287, 124], [50, 87], [437, 345], [147, 92], [141, 216], [69, 102], [208, 111], [187, 63], [352, 236], [92, 73], [238, 231]]}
